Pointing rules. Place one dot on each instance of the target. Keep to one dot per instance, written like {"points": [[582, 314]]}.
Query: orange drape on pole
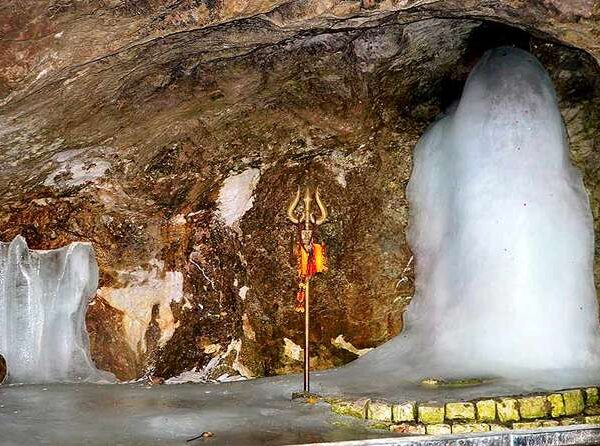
{"points": [[309, 263]]}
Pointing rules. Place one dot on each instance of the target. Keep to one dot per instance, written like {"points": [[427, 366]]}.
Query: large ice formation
{"points": [[502, 230], [503, 238], [43, 299]]}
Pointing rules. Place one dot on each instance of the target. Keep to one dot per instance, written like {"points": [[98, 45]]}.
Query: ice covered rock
{"points": [[43, 300]]}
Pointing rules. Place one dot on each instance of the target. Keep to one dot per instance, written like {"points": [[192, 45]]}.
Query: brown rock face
{"points": [[3, 370], [172, 135]]}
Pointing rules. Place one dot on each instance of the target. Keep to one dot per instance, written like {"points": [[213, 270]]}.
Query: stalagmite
{"points": [[502, 233], [43, 299]]}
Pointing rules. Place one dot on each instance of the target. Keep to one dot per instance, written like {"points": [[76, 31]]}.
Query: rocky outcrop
{"points": [[171, 136], [3, 370]]}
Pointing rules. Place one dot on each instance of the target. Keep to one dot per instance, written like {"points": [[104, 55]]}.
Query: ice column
{"points": [[43, 300], [503, 238], [502, 230]]}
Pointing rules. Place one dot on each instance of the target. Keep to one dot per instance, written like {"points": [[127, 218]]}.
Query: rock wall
{"points": [[171, 135]]}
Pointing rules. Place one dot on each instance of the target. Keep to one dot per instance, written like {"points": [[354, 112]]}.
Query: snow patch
{"points": [[190, 376], [42, 74], [236, 346], [204, 375], [340, 342], [236, 196], [243, 292], [75, 172], [292, 350]]}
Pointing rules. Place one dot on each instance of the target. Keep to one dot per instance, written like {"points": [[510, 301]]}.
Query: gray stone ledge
{"points": [[556, 436]]}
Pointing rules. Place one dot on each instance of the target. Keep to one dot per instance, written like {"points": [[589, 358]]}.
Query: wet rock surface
{"points": [[123, 123], [3, 369]]}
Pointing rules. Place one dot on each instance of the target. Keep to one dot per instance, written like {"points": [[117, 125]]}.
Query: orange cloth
{"points": [[309, 264], [320, 258], [299, 304]]}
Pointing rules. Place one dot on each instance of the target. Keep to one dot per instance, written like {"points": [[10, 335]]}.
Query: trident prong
{"points": [[292, 208], [307, 209], [307, 217], [323, 217]]}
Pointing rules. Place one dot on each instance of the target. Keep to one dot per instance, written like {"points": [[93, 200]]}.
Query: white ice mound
{"points": [[43, 300], [502, 230], [503, 238]]}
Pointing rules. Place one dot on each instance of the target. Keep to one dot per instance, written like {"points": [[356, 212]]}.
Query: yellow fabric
{"points": [[320, 259], [302, 261]]}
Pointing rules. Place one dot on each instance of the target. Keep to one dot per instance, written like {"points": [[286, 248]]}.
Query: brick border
{"points": [[561, 408]]}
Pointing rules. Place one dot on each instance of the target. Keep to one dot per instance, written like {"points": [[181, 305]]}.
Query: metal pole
{"points": [[309, 222], [306, 336]]}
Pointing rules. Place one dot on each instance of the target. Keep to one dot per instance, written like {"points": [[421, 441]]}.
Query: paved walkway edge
{"points": [[558, 436]]}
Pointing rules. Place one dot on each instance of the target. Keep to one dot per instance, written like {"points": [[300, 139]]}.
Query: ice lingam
{"points": [[43, 299], [502, 233]]}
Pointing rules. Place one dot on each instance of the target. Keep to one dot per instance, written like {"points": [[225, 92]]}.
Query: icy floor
{"points": [[258, 412], [242, 413]]}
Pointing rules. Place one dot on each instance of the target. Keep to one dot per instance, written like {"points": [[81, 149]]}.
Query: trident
{"points": [[307, 223]]}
